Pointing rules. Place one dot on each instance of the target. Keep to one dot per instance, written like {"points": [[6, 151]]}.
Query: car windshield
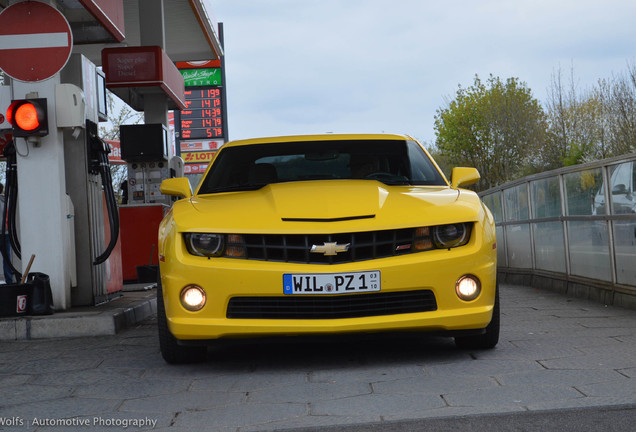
{"points": [[250, 167]]}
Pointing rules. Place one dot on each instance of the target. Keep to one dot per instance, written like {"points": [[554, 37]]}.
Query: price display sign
{"points": [[202, 118]]}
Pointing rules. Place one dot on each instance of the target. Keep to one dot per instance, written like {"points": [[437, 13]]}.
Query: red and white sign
{"points": [[199, 64], [200, 145], [21, 305], [35, 41], [114, 156]]}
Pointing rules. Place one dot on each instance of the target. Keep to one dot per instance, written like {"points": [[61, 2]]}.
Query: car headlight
{"points": [[205, 244], [215, 245], [450, 236]]}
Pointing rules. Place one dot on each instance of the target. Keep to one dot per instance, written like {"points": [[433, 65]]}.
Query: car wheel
{"points": [[487, 340], [171, 351]]}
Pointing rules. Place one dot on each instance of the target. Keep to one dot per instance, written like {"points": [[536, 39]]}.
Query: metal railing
{"points": [[574, 225]]}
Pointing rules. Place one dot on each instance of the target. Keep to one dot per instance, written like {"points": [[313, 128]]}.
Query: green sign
{"points": [[201, 77]]}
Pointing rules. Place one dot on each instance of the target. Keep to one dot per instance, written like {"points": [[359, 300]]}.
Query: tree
{"points": [[118, 114], [576, 132], [494, 126], [590, 125], [623, 113]]}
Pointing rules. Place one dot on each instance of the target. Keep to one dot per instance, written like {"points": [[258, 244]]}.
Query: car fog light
{"points": [[468, 287], [193, 298]]}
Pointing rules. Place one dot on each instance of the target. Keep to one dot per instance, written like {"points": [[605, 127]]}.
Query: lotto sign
{"points": [[198, 157], [35, 41]]}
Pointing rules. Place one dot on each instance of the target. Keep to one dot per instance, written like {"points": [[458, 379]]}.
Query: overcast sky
{"points": [[315, 66]]}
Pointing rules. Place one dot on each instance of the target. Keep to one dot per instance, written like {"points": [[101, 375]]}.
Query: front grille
{"points": [[295, 248], [331, 307]]}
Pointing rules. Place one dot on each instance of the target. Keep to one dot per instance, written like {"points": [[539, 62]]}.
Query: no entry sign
{"points": [[35, 41]]}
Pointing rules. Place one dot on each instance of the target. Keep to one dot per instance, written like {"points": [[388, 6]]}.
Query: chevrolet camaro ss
{"points": [[325, 234]]}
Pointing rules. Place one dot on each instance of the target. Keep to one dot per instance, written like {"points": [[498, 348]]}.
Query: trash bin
{"points": [[41, 297], [147, 273]]}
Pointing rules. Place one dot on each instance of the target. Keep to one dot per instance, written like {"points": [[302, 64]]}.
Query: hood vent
{"points": [[339, 219]]}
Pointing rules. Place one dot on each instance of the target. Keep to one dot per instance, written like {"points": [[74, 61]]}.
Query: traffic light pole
{"points": [[43, 206]]}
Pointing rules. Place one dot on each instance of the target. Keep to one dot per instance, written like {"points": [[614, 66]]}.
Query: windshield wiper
{"points": [[234, 188], [398, 183]]}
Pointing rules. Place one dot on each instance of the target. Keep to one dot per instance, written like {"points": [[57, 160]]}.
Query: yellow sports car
{"points": [[325, 234]]}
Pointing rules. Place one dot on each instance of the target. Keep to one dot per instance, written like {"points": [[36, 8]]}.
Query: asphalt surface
{"points": [[561, 364]]}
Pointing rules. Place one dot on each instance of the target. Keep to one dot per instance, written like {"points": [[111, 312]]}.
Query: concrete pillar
{"points": [[151, 23], [152, 32]]}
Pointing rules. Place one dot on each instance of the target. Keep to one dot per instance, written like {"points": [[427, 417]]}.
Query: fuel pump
{"points": [[145, 149], [89, 185]]}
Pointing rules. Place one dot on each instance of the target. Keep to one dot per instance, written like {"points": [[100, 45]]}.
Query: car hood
{"points": [[324, 206]]}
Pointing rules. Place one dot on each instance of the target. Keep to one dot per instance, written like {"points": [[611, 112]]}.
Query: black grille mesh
{"points": [[331, 307], [296, 248]]}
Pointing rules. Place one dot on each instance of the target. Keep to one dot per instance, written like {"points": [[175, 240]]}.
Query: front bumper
{"points": [[225, 278]]}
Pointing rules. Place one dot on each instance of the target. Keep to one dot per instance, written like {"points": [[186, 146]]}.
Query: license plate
{"points": [[331, 283]]}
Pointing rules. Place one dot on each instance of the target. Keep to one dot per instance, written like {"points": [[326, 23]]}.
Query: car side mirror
{"points": [[179, 186], [619, 189], [462, 176]]}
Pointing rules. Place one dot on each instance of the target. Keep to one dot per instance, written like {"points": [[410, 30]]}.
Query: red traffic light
{"points": [[29, 117]]}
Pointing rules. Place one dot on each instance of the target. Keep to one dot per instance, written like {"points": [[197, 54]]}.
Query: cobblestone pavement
{"points": [[554, 353]]}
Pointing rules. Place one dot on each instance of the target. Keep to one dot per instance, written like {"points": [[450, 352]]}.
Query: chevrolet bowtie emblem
{"points": [[330, 248]]}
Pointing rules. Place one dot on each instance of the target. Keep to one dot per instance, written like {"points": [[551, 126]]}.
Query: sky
{"points": [[370, 66]]}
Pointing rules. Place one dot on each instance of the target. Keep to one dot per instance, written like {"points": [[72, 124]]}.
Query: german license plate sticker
{"points": [[331, 283]]}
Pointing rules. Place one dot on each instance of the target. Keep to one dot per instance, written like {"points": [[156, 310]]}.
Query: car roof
{"points": [[319, 137]]}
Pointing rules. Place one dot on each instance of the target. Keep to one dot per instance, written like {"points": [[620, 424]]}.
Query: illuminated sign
{"points": [[195, 168], [202, 117], [202, 77], [114, 157]]}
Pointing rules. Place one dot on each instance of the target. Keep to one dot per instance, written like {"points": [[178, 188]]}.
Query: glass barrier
{"points": [[578, 221], [622, 181], [493, 202], [516, 203], [580, 190], [546, 198], [518, 246], [625, 255], [589, 249], [549, 247], [501, 247]]}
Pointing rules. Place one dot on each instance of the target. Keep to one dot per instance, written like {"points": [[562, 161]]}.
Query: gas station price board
{"points": [[202, 117]]}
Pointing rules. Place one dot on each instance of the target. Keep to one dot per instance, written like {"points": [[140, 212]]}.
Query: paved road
{"points": [[555, 353]]}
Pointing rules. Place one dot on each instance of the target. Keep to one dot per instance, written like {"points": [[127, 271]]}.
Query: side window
{"points": [[622, 188], [622, 179], [422, 169]]}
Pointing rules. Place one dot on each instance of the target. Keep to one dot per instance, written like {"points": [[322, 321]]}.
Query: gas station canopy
{"points": [[191, 32]]}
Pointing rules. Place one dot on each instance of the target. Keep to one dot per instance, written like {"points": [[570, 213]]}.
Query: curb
{"points": [[103, 320]]}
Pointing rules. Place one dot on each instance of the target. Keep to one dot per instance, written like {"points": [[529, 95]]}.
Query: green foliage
{"points": [[494, 126]]}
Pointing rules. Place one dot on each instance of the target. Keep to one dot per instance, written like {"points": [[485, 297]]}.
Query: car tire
{"points": [[171, 351], [487, 340]]}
